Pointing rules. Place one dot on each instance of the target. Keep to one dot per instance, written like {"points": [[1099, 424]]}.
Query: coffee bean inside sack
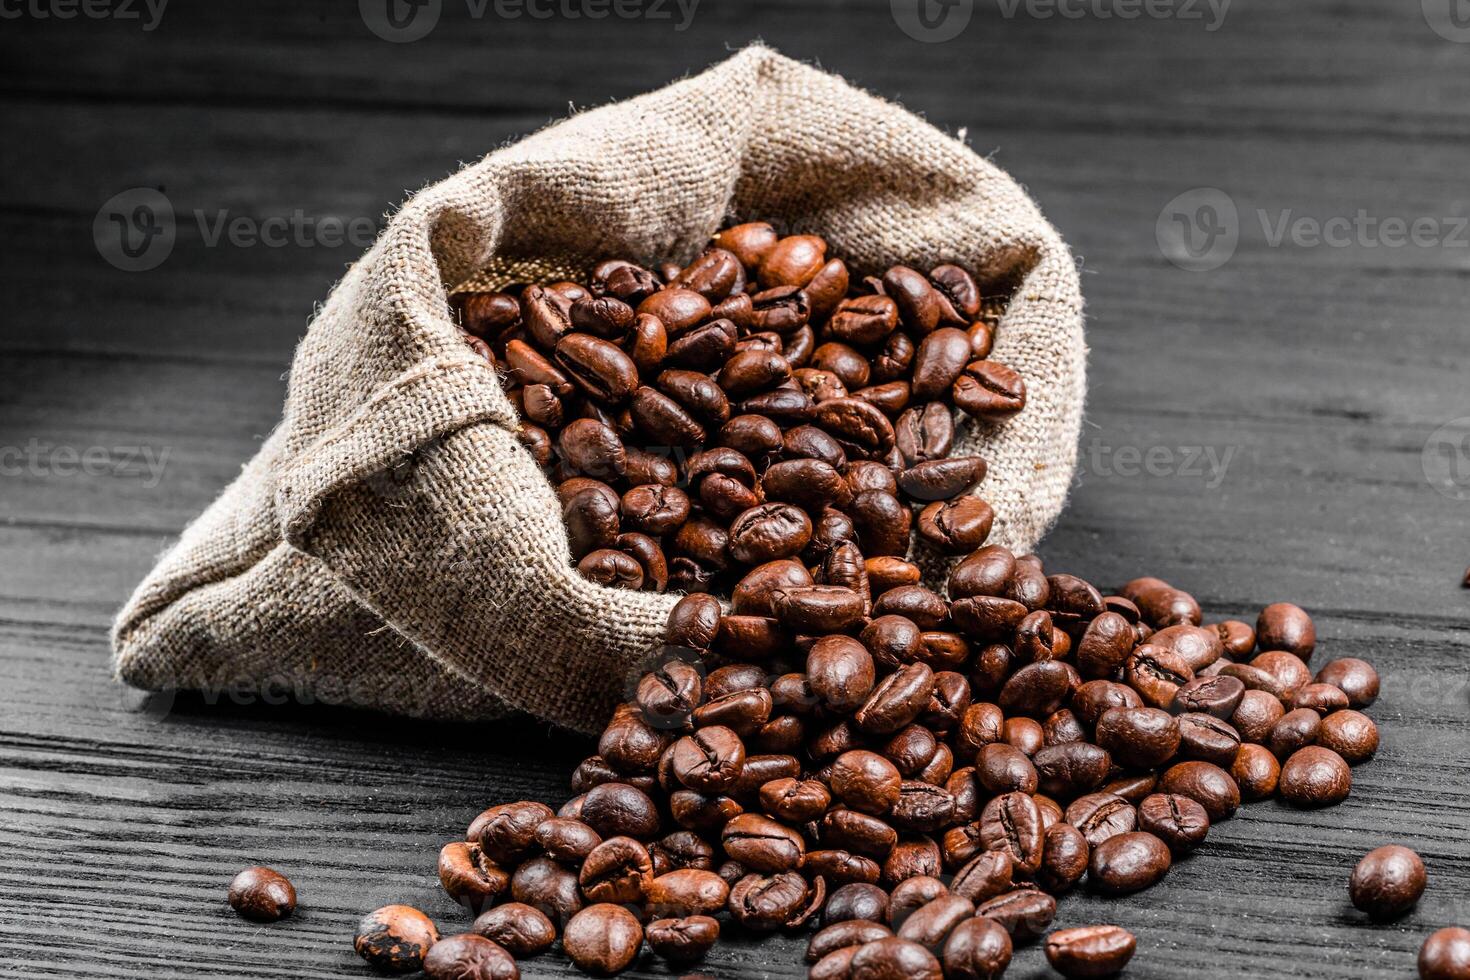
{"points": [[918, 780], [760, 404]]}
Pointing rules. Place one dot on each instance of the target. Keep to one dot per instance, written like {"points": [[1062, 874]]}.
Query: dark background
{"points": [[1324, 370]]}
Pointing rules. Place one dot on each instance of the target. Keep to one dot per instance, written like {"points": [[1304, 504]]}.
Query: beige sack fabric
{"points": [[394, 547]]}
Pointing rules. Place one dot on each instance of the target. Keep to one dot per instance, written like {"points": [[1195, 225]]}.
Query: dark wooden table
{"points": [[1320, 368]]}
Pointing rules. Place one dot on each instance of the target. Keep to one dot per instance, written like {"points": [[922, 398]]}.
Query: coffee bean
{"points": [[764, 904], [845, 934], [895, 958], [547, 886], [1128, 863], [767, 532], [1355, 678], [1025, 913], [1387, 882], [1072, 768], [520, 929], [262, 894], [931, 924], [841, 867], [602, 938], [1321, 698], [912, 894], [1101, 816], [763, 844], [1218, 696], [924, 432], [840, 671], [989, 391], [1209, 739], [617, 870], [1283, 626], [469, 957], [1090, 951], [1351, 734], [977, 949], [1064, 858], [619, 809], [685, 892], [1293, 730], [1178, 821], [1156, 674], [1140, 737], [1256, 715], [1012, 823], [710, 760], [395, 938], [1445, 955], [816, 609], [469, 876], [911, 857], [683, 940], [1315, 777], [1205, 783], [507, 832]]}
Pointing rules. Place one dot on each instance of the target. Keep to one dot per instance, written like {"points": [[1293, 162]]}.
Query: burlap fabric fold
{"points": [[394, 547]]}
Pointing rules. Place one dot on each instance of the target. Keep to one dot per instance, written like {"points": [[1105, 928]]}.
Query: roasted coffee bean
{"points": [[866, 782], [668, 694], [1128, 863], [395, 938], [1156, 674], [1283, 626], [1217, 696], [1256, 771], [1387, 882], [942, 480], [1132, 788], [506, 833], [922, 807], [988, 619], [1141, 738], [743, 712], [918, 302], [1012, 823], [710, 760], [840, 671], [753, 594], [1294, 730], [817, 609], [795, 801], [912, 894], [1208, 739], [897, 700], [468, 875], [766, 903], [989, 391], [1090, 951], [693, 623], [1351, 734], [1321, 698], [1178, 821], [1101, 816], [910, 858], [1036, 689], [855, 901], [684, 940], [617, 870], [1445, 955], [1025, 734], [842, 360], [1095, 698], [613, 569], [546, 885], [618, 809], [845, 934], [682, 850], [701, 811], [1287, 669], [924, 432], [1256, 715], [930, 924], [1064, 858], [1205, 783], [520, 929], [768, 532], [1072, 768], [265, 895], [977, 949], [842, 867], [685, 892], [763, 844], [469, 957], [1314, 777], [1198, 647], [956, 526], [602, 938], [1355, 678], [1002, 768], [895, 958], [986, 572], [1024, 913]]}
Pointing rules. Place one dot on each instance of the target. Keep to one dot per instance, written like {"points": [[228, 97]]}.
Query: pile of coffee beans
{"points": [[918, 778], [756, 404]]}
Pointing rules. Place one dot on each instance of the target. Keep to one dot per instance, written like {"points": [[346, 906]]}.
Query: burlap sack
{"points": [[393, 546]]}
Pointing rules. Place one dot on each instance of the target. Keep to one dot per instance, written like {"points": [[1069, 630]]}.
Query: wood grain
{"points": [[1321, 371]]}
